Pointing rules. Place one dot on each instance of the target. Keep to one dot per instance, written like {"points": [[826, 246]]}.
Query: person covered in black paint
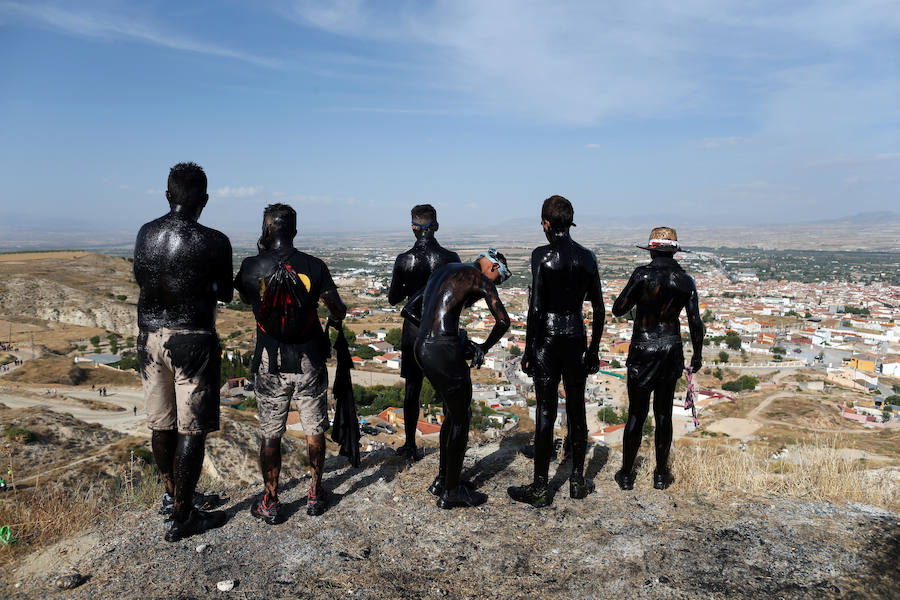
{"points": [[442, 349], [294, 370], [182, 269], [658, 292], [411, 272], [564, 275]]}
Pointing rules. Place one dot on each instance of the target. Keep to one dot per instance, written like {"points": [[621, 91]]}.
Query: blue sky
{"points": [[710, 111]]}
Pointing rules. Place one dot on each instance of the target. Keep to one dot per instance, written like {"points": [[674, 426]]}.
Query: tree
{"points": [[779, 350], [733, 340], [893, 399], [394, 337], [348, 335], [367, 352], [718, 373], [615, 364], [610, 416], [95, 341], [887, 414], [723, 356], [514, 350], [896, 388]]}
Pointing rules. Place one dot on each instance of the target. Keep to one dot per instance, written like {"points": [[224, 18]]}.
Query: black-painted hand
{"points": [[591, 361]]}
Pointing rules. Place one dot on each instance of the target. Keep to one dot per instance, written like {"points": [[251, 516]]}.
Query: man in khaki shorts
{"points": [[182, 268], [291, 348]]}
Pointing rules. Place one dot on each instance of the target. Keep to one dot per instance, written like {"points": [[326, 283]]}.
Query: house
{"points": [[357, 361]]}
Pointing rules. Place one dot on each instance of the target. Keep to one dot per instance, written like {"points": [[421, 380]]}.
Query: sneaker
{"points": [[198, 521], [267, 510], [536, 494], [662, 480], [437, 486], [579, 487], [463, 495], [411, 452], [316, 505], [201, 502], [626, 482]]}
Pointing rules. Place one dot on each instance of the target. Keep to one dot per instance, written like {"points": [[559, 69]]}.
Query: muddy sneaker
{"points": [[536, 494], [662, 480], [197, 522], [463, 495], [626, 482], [267, 510], [316, 505], [579, 487], [411, 452], [201, 502], [437, 486]]}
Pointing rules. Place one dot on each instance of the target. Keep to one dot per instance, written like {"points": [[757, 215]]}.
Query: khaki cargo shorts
{"points": [[180, 376], [274, 392]]}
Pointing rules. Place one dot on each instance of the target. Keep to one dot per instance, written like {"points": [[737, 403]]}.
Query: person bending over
{"points": [[411, 272], [564, 275], [289, 364], [442, 349], [658, 292], [182, 269]]}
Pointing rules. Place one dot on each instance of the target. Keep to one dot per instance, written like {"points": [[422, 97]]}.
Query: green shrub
{"points": [[19, 434]]}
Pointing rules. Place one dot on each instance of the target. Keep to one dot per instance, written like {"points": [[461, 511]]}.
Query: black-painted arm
{"points": [[336, 306], [224, 281], [695, 323], [501, 319], [412, 311], [626, 299], [595, 295], [397, 289]]}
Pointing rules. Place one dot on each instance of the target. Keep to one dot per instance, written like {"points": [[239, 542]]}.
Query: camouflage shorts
{"points": [[274, 392], [180, 377]]}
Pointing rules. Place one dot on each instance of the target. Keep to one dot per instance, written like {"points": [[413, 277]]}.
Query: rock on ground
{"points": [[383, 537]]}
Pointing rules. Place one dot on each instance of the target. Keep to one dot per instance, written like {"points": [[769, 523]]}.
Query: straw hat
{"points": [[663, 239]]}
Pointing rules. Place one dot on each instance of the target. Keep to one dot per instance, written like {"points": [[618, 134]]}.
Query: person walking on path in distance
{"points": [[182, 269], [442, 349], [411, 272], [291, 349], [564, 275], [658, 292]]}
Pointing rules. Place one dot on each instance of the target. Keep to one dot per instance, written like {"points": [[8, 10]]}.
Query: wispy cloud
{"points": [[96, 23], [593, 146], [721, 142], [584, 62], [238, 192]]}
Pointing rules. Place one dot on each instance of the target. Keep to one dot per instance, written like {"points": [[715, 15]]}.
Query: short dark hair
{"points": [[187, 184], [424, 211], [283, 219], [558, 211]]}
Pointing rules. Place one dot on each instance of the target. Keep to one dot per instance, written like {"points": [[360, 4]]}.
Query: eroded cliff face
{"points": [[90, 290]]}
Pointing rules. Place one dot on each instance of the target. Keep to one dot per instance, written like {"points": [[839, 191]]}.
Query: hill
{"points": [[384, 537]]}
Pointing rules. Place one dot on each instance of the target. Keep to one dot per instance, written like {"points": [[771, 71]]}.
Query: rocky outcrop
{"points": [[383, 537], [52, 301]]}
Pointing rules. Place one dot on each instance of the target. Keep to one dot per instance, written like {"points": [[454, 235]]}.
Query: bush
{"points": [[615, 364], [129, 361], [249, 403], [723, 356], [394, 337], [779, 350], [744, 382], [514, 350], [718, 374], [19, 434], [121, 297], [367, 352], [610, 416], [733, 340]]}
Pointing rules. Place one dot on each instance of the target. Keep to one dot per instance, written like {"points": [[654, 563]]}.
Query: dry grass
{"points": [[44, 514], [813, 472]]}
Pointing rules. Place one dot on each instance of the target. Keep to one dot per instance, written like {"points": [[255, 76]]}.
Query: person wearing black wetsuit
{"points": [[182, 269], [411, 272], [442, 349], [658, 292], [295, 370], [564, 275]]}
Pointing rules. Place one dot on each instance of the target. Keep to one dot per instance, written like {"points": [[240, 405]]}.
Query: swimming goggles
{"points": [[493, 256]]}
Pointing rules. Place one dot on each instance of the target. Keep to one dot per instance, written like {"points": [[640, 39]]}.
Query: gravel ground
{"points": [[383, 537]]}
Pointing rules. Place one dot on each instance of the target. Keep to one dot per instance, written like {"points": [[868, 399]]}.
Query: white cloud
{"points": [[238, 192], [721, 142], [94, 23], [593, 146], [584, 62]]}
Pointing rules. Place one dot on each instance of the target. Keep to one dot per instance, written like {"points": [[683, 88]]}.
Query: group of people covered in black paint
{"points": [[184, 268]]}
